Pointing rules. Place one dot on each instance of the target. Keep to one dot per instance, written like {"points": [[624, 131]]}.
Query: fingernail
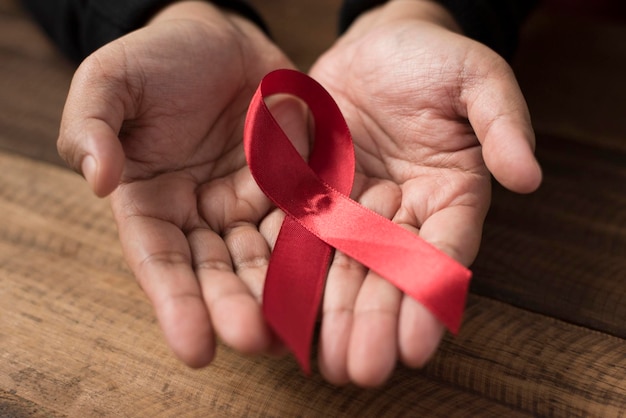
{"points": [[89, 168]]}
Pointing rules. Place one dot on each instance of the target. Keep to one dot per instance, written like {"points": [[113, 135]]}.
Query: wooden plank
{"points": [[77, 337], [534, 363], [12, 406], [34, 80], [561, 251]]}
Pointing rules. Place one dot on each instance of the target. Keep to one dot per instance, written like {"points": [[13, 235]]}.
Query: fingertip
{"points": [[337, 376], [195, 359], [373, 350], [101, 182], [334, 377], [514, 165], [333, 347], [96, 153], [531, 180], [190, 342], [239, 322], [373, 346], [420, 334], [500, 117], [508, 152], [371, 377]]}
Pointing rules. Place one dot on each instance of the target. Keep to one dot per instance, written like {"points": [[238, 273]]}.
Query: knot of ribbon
{"points": [[321, 217]]}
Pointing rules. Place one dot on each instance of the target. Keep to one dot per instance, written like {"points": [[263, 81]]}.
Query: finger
{"points": [[345, 278], [372, 347], [250, 255], [92, 117], [419, 333], [270, 226], [96, 153], [499, 115], [232, 296], [344, 281], [159, 255], [232, 207], [455, 230]]}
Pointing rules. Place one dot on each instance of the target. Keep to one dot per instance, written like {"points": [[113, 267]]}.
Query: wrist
{"points": [[237, 12], [428, 11], [210, 13], [201, 11]]}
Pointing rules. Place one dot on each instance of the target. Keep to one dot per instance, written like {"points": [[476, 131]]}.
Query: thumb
{"points": [[88, 138], [96, 153], [499, 115]]}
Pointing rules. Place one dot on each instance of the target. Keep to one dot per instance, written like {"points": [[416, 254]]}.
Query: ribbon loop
{"points": [[320, 216]]}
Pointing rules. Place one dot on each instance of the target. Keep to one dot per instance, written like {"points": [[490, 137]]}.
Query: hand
{"points": [[431, 113], [156, 119]]}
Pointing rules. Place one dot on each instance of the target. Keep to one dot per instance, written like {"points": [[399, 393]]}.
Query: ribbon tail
{"points": [[294, 287], [416, 267]]}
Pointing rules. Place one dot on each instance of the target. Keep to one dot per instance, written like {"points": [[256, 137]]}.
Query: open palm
{"points": [[431, 114], [156, 118]]}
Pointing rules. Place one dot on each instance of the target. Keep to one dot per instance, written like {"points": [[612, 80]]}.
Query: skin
{"points": [[432, 113], [155, 119]]}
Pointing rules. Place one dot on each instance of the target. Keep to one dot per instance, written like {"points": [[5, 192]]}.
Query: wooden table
{"points": [[545, 327]]}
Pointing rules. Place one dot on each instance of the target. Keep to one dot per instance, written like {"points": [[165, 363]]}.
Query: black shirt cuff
{"points": [[79, 27], [495, 23]]}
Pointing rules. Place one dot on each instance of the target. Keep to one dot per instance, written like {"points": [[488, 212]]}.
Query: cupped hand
{"points": [[156, 119], [432, 114]]}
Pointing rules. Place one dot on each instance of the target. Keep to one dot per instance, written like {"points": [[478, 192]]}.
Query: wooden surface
{"points": [[545, 328]]}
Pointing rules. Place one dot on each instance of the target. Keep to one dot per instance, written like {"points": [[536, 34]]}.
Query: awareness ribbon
{"points": [[321, 216]]}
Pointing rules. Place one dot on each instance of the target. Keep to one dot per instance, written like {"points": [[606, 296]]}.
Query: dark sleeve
{"points": [[495, 23], [79, 27]]}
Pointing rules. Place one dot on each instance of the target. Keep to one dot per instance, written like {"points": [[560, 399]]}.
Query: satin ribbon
{"points": [[320, 217]]}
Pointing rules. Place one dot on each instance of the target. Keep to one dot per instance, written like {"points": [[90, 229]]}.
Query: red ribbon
{"points": [[320, 216]]}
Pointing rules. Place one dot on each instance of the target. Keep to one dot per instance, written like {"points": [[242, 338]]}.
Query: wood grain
{"points": [[81, 339], [544, 331], [562, 250], [31, 72]]}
